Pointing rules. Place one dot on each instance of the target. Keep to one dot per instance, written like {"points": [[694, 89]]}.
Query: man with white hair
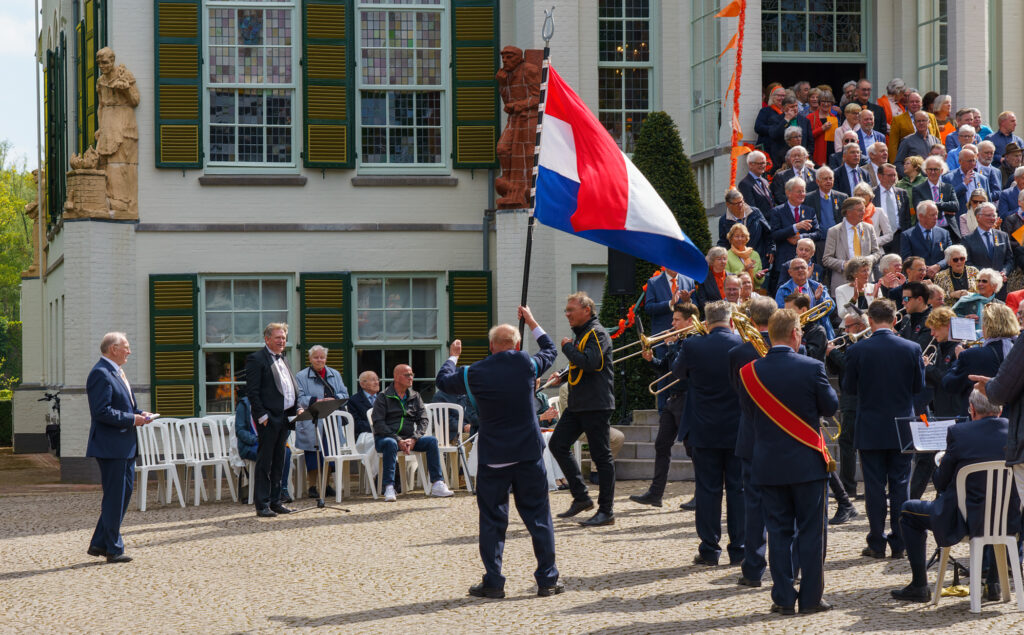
{"points": [[965, 135], [790, 222], [878, 154], [1006, 123], [849, 173], [796, 157], [754, 187], [966, 178], [867, 135], [826, 203], [925, 240], [988, 247], [937, 190], [986, 153]]}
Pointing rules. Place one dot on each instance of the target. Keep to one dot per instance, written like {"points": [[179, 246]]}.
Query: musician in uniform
{"points": [[788, 394], [944, 404], [589, 411], [813, 333], [885, 372], [683, 316], [704, 361], [835, 362]]}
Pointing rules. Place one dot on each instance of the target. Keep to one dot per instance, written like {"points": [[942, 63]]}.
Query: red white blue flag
{"points": [[587, 187]]}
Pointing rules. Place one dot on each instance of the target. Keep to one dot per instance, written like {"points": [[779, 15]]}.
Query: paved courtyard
{"points": [[405, 567]]}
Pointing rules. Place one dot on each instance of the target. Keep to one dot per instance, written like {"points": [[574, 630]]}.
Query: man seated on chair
{"points": [[981, 439], [400, 423]]}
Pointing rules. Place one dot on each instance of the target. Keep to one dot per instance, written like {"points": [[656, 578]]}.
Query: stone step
{"points": [[643, 470], [645, 450], [645, 418], [642, 433]]}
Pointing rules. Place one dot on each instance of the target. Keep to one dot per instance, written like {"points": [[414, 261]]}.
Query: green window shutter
{"points": [[328, 84], [48, 127], [80, 142], [474, 63], [174, 344], [324, 307], [61, 132], [87, 73], [469, 312], [179, 84]]}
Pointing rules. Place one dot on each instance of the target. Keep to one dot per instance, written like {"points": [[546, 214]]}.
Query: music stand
{"points": [[317, 412]]}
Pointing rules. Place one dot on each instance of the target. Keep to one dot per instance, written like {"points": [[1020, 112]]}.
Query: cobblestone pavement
{"points": [[405, 567]]}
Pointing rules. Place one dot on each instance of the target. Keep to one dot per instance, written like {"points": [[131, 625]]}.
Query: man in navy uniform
{"points": [[885, 372], [510, 449], [112, 441], [704, 362], [976, 441], [789, 394]]}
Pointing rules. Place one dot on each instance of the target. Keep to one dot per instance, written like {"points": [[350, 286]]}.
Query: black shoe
{"points": [[599, 519], [481, 591], [563, 486], [329, 491], [843, 515], [118, 558], [577, 507], [287, 499], [545, 591], [993, 592], [265, 512], [96, 551], [782, 610], [911, 593], [871, 553], [689, 505], [699, 559], [820, 608], [646, 499], [897, 554], [313, 493], [280, 509], [745, 581]]}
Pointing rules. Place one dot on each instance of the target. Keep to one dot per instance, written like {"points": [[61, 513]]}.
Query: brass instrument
{"points": [[900, 316], [697, 328], [749, 333], [816, 313], [647, 343], [850, 338], [929, 357], [972, 343]]}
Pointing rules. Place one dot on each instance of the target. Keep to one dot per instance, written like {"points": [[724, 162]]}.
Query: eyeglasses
{"points": [[933, 169], [960, 259], [981, 281], [907, 298]]}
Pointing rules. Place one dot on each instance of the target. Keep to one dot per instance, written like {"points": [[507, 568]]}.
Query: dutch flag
{"points": [[587, 187]]}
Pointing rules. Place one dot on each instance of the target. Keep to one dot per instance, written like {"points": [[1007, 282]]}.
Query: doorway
{"points": [[835, 75]]}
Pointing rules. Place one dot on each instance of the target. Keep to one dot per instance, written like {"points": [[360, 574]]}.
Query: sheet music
{"points": [[930, 437], [962, 329]]}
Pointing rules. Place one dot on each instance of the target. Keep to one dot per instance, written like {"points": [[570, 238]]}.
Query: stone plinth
{"points": [[87, 195]]}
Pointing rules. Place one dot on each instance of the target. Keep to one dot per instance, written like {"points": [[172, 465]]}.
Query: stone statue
{"points": [[519, 87], [87, 188], [32, 211], [117, 136]]}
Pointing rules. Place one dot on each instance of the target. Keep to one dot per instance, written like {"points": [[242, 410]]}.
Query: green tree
{"points": [[659, 156], [16, 189]]}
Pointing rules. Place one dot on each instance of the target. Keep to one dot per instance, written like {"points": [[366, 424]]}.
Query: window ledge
{"points": [[252, 179], [397, 181]]}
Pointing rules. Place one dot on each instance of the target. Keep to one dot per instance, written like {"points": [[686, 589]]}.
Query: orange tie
{"points": [[674, 286]]}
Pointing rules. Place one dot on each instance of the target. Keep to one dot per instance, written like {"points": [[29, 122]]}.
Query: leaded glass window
{"points": [[625, 68], [813, 26], [401, 82], [250, 79]]}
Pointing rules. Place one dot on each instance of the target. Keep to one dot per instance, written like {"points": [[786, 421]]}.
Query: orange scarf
{"points": [[869, 211], [720, 281]]}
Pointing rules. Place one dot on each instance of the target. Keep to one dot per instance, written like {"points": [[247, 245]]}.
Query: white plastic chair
{"points": [[297, 474], [200, 453], [154, 456], [439, 416], [998, 488], [340, 447], [405, 467]]}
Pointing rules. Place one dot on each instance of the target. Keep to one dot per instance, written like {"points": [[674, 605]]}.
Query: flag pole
{"points": [[547, 32]]}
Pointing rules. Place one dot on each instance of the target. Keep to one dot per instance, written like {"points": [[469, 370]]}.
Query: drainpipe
{"points": [[488, 216]]}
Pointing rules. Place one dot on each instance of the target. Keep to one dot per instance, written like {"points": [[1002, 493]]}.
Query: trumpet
{"points": [[850, 338], [816, 313], [647, 343], [930, 352]]}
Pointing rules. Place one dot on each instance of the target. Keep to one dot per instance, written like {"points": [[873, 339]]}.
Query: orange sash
{"points": [[783, 417]]}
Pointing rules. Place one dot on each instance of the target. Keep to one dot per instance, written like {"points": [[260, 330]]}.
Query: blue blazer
{"points": [[752, 196], [966, 443], [995, 179], [912, 243], [885, 371], [358, 404], [1008, 201], [1002, 251], [800, 383], [738, 358], [780, 180], [981, 360], [865, 140], [949, 206], [704, 362], [782, 222], [842, 179], [658, 301], [112, 409], [502, 386], [956, 179]]}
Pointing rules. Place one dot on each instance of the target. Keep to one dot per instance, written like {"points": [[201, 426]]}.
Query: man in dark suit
{"points": [[967, 178], [754, 187], [510, 449], [704, 362], [866, 134], [885, 372], [981, 439], [941, 193], [894, 203], [797, 159], [790, 222], [988, 247], [363, 400], [787, 394], [925, 240], [112, 441], [1009, 198], [826, 204], [849, 173], [665, 290], [273, 395]]}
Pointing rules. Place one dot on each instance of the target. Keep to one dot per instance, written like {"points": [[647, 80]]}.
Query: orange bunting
{"points": [[735, 9], [730, 45], [731, 10]]}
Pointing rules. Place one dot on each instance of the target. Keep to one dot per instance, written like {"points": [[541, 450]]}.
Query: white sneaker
{"points": [[441, 490], [389, 494]]}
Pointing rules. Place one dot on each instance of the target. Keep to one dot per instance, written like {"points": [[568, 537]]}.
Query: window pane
{"points": [[218, 327], [274, 295], [428, 109], [222, 106], [610, 9], [848, 32], [396, 325], [400, 108], [612, 122], [222, 26], [250, 144], [374, 66], [428, 145], [370, 325], [770, 31], [610, 41], [821, 5], [247, 294], [222, 64], [250, 107], [424, 293], [638, 8], [401, 143], [266, 317], [393, 358], [397, 291], [854, 6], [375, 145], [279, 27], [636, 91], [424, 325], [609, 89], [794, 5], [374, 109], [248, 327], [371, 293], [637, 39], [820, 33], [592, 282], [370, 360], [218, 294], [794, 31], [250, 27]]}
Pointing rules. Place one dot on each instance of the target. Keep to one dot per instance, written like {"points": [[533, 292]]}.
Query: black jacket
{"points": [[357, 406], [398, 419], [945, 403], [261, 389], [594, 388]]}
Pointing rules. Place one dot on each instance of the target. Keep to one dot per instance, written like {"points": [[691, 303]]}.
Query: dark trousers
{"points": [[790, 511], [836, 485], [713, 468], [924, 467], [668, 428], [593, 423], [754, 536], [528, 482], [885, 469], [118, 479], [269, 461], [847, 455]]}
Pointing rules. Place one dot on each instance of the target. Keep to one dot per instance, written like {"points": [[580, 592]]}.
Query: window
{"points": [[250, 82], [402, 101], [816, 26], [590, 278], [932, 46], [625, 70], [705, 111], [396, 323], [234, 313]]}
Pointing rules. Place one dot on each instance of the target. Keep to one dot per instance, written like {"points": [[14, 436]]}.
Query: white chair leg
{"points": [[141, 500], [1018, 587], [369, 479], [229, 474], [975, 569], [338, 466], [943, 561], [217, 474], [172, 475]]}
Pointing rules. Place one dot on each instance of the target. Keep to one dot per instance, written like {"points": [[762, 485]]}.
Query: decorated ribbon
{"points": [[736, 9]]}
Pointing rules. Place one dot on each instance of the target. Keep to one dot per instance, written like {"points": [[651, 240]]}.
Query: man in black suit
{"points": [[925, 240], [754, 187], [273, 396], [826, 203], [797, 159], [704, 362], [511, 448], [988, 247], [363, 399], [981, 439], [894, 203], [849, 173], [863, 99], [790, 222], [941, 193]]}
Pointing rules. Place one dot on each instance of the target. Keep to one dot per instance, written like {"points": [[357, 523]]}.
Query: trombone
{"points": [[930, 352], [749, 333], [647, 343], [850, 338], [697, 328], [816, 313]]}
